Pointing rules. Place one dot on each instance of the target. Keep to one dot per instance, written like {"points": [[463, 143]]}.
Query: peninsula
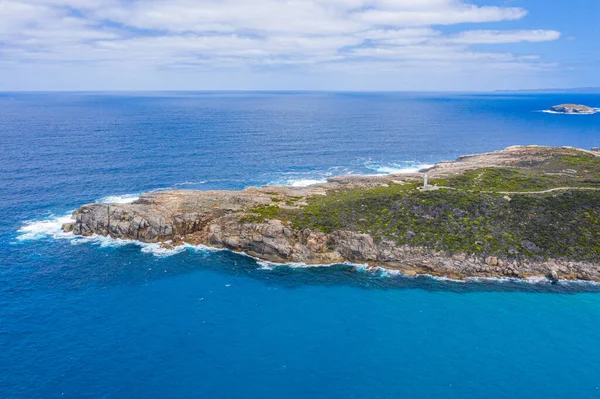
{"points": [[523, 212], [574, 109]]}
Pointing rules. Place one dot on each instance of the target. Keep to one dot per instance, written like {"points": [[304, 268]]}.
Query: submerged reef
{"points": [[523, 212]]}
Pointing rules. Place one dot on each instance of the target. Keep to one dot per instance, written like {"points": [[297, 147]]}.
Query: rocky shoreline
{"points": [[228, 220]]}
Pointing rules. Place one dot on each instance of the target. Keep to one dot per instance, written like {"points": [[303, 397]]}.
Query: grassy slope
{"points": [[472, 218], [564, 170]]}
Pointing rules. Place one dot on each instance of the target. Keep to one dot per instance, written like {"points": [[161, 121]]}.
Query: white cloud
{"points": [[499, 37], [317, 34], [449, 15]]}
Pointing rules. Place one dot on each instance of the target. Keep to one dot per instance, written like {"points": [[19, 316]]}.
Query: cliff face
{"points": [[250, 221]]}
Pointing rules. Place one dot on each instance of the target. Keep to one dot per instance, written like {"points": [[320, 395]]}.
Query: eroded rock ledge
{"points": [[250, 221]]}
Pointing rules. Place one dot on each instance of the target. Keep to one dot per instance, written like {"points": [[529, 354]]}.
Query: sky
{"points": [[353, 45]]}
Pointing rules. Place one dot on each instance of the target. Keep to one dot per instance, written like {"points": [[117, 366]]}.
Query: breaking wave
{"points": [[396, 167], [369, 167], [382, 272], [50, 229], [308, 178], [119, 199], [547, 111], [306, 182]]}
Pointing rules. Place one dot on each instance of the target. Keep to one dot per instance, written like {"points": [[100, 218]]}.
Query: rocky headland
{"points": [[523, 212], [574, 109]]}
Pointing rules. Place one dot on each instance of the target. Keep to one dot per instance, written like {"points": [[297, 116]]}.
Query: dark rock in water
{"points": [[573, 109], [553, 276]]}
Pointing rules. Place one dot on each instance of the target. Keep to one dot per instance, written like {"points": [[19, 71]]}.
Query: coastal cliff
{"points": [[523, 212]]}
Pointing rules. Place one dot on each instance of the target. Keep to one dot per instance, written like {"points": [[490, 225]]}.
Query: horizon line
{"points": [[572, 90]]}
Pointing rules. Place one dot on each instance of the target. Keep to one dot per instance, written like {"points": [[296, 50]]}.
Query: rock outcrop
{"points": [[221, 219], [573, 109]]}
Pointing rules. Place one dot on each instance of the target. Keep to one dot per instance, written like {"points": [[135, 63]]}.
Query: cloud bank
{"points": [[263, 35]]}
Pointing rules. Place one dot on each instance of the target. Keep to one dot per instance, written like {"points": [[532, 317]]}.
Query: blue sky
{"points": [[298, 44]]}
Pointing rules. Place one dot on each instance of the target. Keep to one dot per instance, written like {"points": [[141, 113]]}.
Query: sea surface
{"points": [[99, 318]]}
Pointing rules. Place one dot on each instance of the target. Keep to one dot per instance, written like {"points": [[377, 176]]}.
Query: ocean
{"points": [[100, 318]]}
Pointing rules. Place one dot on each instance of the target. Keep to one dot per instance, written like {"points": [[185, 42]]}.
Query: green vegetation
{"points": [[472, 215], [501, 179], [291, 201], [563, 159], [567, 170], [566, 224], [261, 213]]}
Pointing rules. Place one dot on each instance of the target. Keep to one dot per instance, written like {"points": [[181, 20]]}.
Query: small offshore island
{"points": [[523, 212], [574, 109]]}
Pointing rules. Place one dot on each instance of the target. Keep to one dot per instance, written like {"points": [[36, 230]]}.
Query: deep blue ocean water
{"points": [[101, 319]]}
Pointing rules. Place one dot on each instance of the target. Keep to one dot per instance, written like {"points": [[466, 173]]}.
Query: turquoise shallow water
{"points": [[99, 319]]}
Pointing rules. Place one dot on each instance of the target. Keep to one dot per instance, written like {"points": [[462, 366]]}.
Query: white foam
{"points": [[305, 182], [390, 170], [304, 179], [190, 183], [547, 111], [396, 167], [538, 280], [48, 228], [119, 199], [266, 265], [51, 228], [159, 250]]}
